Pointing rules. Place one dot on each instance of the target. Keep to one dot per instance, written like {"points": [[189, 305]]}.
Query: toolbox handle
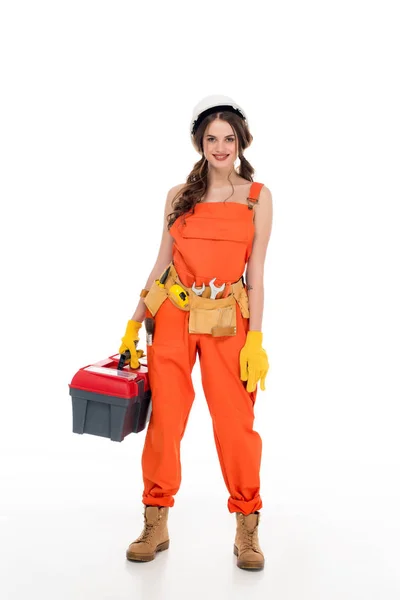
{"points": [[123, 358]]}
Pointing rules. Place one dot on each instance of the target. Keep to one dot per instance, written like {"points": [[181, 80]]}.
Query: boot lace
{"points": [[247, 537], [148, 531]]}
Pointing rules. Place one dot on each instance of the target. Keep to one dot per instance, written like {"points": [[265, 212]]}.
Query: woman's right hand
{"points": [[129, 342]]}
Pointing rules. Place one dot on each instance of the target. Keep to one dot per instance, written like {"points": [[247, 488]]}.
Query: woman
{"points": [[215, 224]]}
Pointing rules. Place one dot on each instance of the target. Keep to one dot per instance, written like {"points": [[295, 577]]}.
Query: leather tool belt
{"points": [[216, 317]]}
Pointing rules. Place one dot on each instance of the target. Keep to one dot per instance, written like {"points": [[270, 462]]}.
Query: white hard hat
{"points": [[211, 104]]}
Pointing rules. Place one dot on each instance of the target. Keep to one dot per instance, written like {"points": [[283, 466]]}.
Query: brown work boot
{"points": [[246, 546], [154, 536]]}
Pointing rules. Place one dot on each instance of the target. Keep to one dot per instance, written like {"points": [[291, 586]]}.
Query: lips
{"points": [[221, 156]]}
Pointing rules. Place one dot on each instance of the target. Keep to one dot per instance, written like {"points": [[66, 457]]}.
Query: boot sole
{"points": [[242, 564], [137, 557]]}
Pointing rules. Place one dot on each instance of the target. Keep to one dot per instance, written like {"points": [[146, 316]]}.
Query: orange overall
{"points": [[216, 242]]}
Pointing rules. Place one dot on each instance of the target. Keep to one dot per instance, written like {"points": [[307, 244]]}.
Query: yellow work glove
{"points": [[253, 361], [129, 342]]}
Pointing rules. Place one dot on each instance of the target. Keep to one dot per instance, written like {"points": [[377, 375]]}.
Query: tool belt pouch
{"points": [[156, 296], [215, 317], [241, 297]]}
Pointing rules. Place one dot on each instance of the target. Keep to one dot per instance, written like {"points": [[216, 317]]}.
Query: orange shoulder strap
{"points": [[254, 193]]}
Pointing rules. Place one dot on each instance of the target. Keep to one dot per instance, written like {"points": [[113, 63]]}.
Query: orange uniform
{"points": [[215, 242]]}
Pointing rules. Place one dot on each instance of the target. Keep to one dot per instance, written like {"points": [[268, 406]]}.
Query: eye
{"points": [[230, 139]]}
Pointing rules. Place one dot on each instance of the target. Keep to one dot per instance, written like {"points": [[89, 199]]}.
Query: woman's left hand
{"points": [[253, 361]]}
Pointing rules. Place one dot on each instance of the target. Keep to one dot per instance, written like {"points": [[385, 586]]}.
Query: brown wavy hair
{"points": [[196, 183]]}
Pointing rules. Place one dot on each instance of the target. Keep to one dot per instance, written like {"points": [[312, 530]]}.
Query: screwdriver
{"points": [[163, 278]]}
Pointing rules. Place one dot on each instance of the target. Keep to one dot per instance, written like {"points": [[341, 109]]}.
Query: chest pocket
{"points": [[232, 230]]}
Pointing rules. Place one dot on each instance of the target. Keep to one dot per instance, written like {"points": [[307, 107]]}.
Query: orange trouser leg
{"points": [[232, 410], [170, 360]]}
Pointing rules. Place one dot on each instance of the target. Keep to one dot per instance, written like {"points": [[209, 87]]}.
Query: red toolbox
{"points": [[109, 401]]}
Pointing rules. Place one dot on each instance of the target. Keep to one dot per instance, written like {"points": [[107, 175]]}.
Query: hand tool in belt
{"points": [[163, 278], [214, 289]]}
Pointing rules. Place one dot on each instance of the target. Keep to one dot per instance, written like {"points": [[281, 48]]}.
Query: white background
{"points": [[96, 102]]}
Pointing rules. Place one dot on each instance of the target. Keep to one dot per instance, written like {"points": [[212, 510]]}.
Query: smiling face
{"points": [[220, 139]]}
